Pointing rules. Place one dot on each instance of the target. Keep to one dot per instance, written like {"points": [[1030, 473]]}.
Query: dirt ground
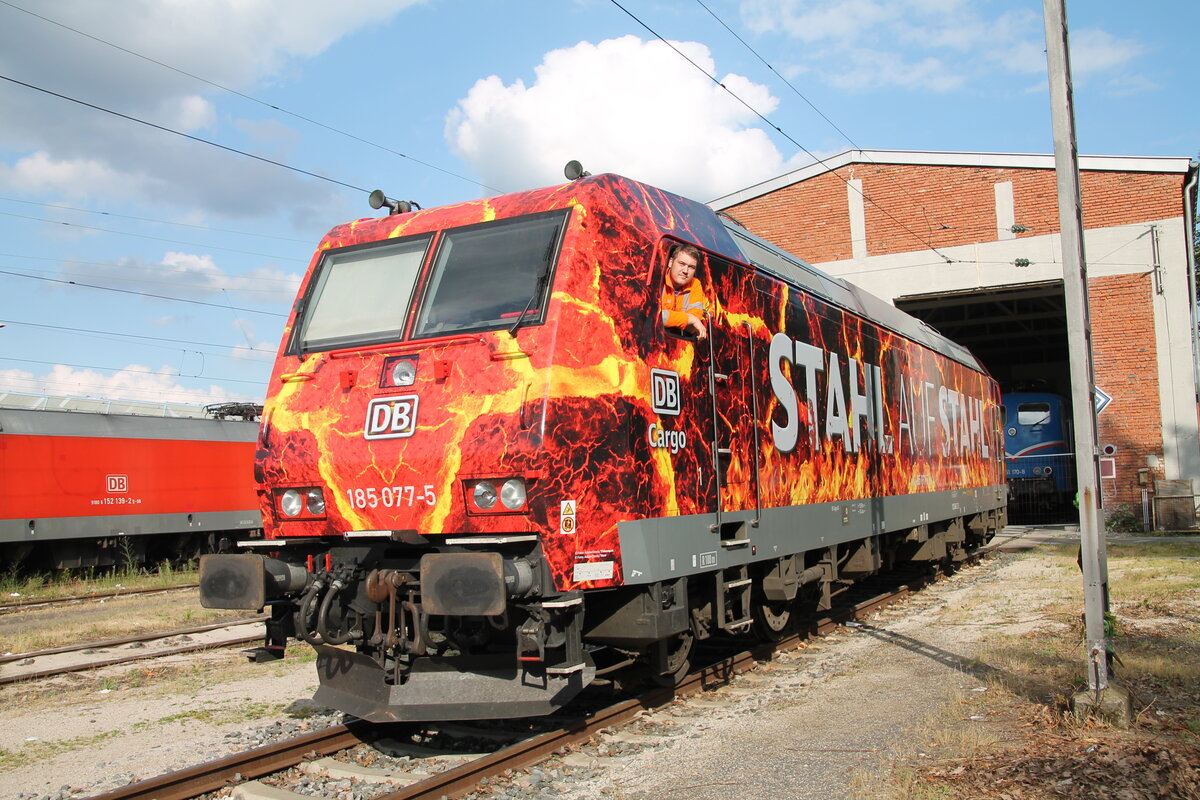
{"points": [[959, 692], [1042, 750]]}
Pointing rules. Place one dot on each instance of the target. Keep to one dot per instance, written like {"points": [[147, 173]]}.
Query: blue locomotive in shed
{"points": [[1039, 456]]}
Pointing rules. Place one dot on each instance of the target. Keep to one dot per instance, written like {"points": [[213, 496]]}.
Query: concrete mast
{"points": [[1093, 557]]}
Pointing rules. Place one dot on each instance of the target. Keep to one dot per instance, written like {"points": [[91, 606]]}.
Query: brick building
{"points": [[969, 242]]}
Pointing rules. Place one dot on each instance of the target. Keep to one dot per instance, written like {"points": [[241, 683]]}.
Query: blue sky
{"points": [[138, 263]]}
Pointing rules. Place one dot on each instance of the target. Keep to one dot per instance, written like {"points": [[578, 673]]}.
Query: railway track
{"points": [[455, 774], [26, 605], [15, 667], [34, 665]]}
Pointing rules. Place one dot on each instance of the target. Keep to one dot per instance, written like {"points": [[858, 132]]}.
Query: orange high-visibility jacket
{"points": [[678, 303]]}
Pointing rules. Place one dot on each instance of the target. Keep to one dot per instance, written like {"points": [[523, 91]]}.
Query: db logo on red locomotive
{"points": [[665, 392], [391, 417]]}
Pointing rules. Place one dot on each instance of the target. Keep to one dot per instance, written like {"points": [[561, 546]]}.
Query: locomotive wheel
{"points": [[772, 621], [679, 652]]}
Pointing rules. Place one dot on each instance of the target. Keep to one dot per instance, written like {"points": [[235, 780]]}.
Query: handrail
{"points": [[754, 429], [716, 444]]}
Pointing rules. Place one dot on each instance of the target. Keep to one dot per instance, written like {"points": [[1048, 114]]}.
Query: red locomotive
{"points": [[95, 489], [487, 469]]}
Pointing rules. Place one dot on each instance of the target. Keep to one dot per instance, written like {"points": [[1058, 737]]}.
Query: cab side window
{"points": [[685, 307]]}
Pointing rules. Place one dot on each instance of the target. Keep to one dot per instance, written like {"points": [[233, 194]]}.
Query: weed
{"points": [[202, 715], [14, 582], [1037, 672], [1123, 519], [44, 750], [42, 586], [214, 716]]}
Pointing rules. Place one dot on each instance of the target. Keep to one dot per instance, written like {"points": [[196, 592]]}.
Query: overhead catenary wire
{"points": [[253, 99], [153, 238], [141, 294], [52, 385], [785, 81], [93, 332], [218, 145], [129, 369], [778, 129], [289, 281], [315, 122], [156, 221], [1130, 267], [798, 93], [249, 344], [278, 296], [189, 136]]}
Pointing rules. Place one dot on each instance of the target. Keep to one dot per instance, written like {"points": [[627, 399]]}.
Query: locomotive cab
{"points": [[399, 467], [1039, 454]]}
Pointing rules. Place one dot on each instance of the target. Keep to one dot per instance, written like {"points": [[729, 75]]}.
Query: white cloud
{"points": [[134, 382], [932, 45], [227, 41], [623, 105], [195, 276], [237, 44], [170, 319], [254, 349], [190, 113], [873, 69], [259, 351], [1094, 50], [40, 172], [1124, 85], [273, 135], [816, 21]]}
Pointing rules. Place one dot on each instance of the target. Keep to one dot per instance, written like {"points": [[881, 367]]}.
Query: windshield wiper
{"points": [[540, 289]]}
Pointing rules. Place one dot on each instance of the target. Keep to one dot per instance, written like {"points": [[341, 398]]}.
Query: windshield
{"points": [[1033, 413], [485, 276], [361, 295]]}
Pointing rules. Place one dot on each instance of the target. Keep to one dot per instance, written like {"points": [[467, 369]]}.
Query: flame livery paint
{"points": [[623, 455], [562, 404]]}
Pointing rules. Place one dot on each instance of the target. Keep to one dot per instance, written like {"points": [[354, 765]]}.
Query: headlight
{"points": [[291, 502], [404, 373], [301, 502], [496, 495], [512, 494], [484, 495]]}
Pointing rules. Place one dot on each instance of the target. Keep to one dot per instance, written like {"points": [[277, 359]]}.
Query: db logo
{"points": [[391, 417], [665, 393], [116, 484]]}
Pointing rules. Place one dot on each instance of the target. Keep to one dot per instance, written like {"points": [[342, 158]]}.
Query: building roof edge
{"points": [[1180, 165]]}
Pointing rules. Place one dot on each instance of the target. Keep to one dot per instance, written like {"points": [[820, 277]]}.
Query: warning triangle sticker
{"points": [[568, 508]]}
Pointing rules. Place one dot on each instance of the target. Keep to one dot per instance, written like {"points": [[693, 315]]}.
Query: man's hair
{"points": [[690, 249]]}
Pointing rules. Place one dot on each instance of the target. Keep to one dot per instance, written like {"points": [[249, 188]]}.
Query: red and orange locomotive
{"points": [[488, 470]]}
